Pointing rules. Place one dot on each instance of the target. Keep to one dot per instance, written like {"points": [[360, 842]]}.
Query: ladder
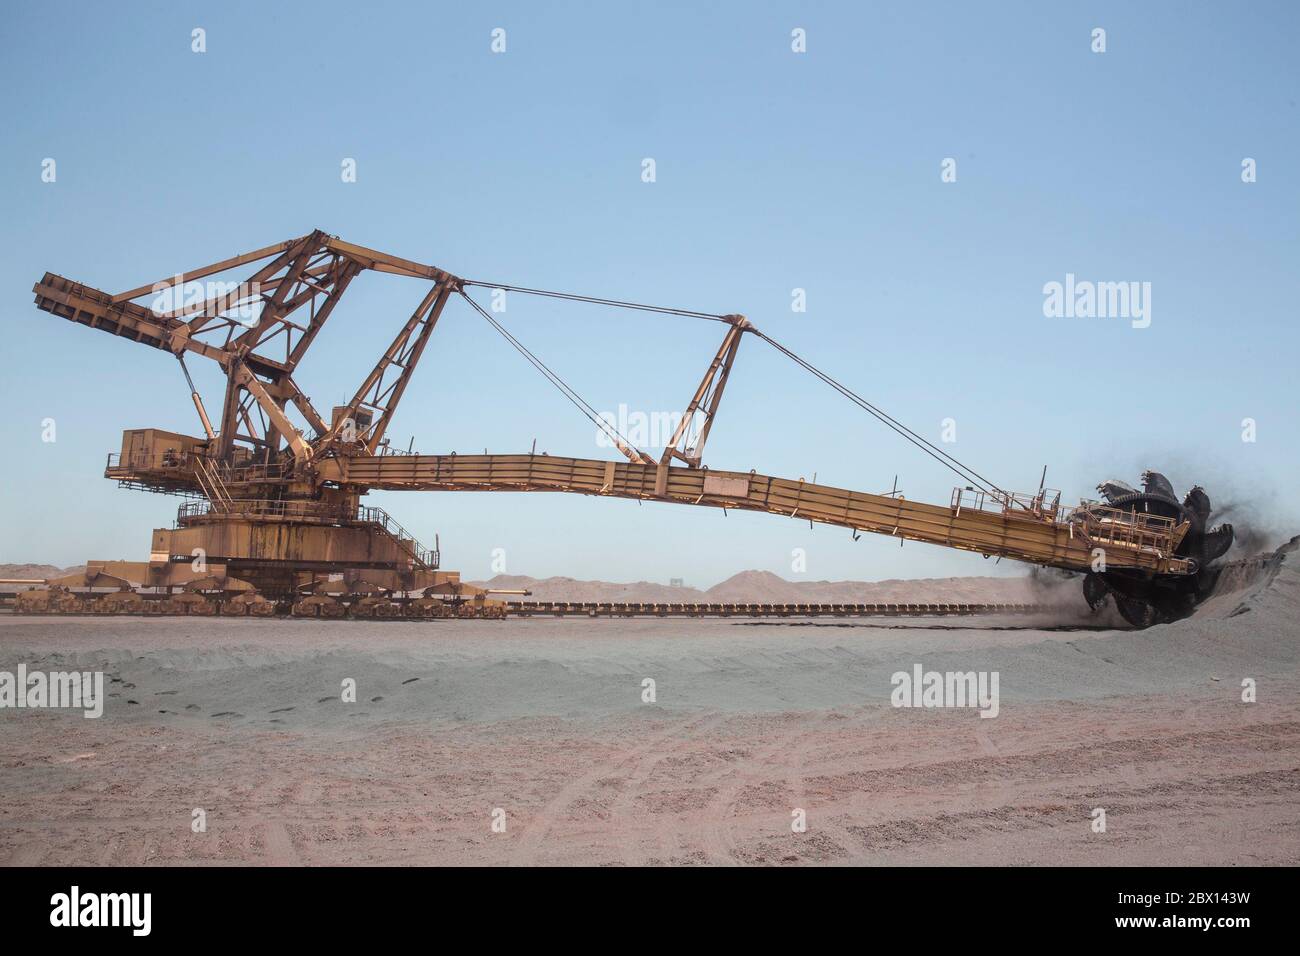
{"points": [[209, 479]]}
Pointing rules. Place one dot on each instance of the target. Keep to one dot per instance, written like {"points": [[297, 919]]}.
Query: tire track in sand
{"points": [[279, 848], [545, 820], [716, 835], [621, 814]]}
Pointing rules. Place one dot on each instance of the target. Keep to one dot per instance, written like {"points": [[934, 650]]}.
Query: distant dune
{"points": [[766, 587], [35, 570]]}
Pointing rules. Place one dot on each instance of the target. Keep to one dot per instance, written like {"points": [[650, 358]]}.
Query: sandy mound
{"points": [[1267, 583], [764, 587], [29, 572]]}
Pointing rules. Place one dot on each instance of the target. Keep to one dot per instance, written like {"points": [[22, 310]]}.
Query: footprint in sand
{"points": [[133, 702], [410, 680], [375, 700], [192, 707], [227, 713], [164, 693], [282, 710], [325, 700]]}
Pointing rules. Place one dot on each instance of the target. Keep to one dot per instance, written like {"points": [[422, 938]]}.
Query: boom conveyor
{"points": [[1026, 528]]}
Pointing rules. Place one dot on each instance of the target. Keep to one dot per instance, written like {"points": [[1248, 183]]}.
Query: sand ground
{"points": [[544, 719]]}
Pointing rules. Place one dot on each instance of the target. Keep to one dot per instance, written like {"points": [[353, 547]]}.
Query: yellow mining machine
{"points": [[277, 519]]}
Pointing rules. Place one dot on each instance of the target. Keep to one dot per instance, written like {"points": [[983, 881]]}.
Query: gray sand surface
{"points": [[544, 719]]}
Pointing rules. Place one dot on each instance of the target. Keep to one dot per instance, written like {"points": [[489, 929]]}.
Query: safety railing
{"points": [[1104, 525], [228, 472], [426, 557], [169, 459], [267, 508], [1044, 504]]}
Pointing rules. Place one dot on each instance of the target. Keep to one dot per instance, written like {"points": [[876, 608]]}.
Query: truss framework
{"points": [[259, 329]]}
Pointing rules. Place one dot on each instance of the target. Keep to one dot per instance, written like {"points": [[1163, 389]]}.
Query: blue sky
{"points": [[775, 170]]}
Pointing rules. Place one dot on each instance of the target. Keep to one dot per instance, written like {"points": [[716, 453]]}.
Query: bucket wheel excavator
{"points": [[1144, 600], [275, 517]]}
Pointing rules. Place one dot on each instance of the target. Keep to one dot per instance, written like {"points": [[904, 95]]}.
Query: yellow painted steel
{"points": [[1011, 534]]}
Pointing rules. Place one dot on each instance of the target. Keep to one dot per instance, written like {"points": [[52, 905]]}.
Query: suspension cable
{"points": [[594, 300], [965, 472], [578, 401]]}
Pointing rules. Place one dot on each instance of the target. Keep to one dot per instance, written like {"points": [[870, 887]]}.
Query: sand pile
{"points": [[1267, 583], [764, 587]]}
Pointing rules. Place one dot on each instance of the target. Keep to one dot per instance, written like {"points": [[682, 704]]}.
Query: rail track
{"points": [[123, 603]]}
